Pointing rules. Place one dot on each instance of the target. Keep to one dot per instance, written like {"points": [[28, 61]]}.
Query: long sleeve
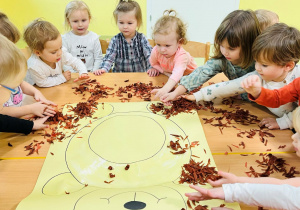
{"points": [[98, 56], [147, 48], [265, 195], [286, 121], [154, 60], [42, 74], [15, 125], [77, 64], [223, 89], [110, 55], [201, 74], [275, 98]]}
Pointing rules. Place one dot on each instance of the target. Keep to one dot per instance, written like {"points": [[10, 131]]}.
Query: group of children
{"points": [[256, 53]]}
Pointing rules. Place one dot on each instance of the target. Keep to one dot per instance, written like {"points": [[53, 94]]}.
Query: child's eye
{"points": [[264, 65], [167, 45]]}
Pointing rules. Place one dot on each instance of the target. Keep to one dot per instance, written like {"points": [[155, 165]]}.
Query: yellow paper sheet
{"points": [[123, 134]]}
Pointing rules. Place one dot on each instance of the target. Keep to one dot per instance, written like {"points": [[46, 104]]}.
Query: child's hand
{"points": [[252, 85], [41, 110], [227, 178], [153, 72], [39, 124], [270, 123], [169, 97], [189, 97], [82, 76], [159, 92], [38, 96], [99, 72], [205, 194], [67, 75]]}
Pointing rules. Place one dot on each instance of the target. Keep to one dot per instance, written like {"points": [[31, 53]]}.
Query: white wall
{"points": [[202, 16]]}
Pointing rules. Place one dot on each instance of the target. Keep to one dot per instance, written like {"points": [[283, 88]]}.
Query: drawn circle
{"points": [[119, 144]]}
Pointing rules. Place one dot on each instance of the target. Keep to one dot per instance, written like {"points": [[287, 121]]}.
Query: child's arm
{"points": [[165, 89], [32, 91], [15, 125], [205, 194], [229, 178], [180, 90], [272, 98], [155, 69], [110, 55], [42, 79]]}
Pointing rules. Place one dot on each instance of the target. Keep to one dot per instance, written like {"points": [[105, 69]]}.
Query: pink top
{"points": [[181, 63]]}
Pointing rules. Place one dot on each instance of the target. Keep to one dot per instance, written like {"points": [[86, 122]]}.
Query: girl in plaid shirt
{"points": [[129, 50]]}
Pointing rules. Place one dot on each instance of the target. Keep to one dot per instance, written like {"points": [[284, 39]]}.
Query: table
{"points": [[18, 172]]}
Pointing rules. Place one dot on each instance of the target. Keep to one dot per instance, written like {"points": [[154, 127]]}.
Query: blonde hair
{"points": [[277, 44], [169, 22], [38, 32], [128, 6], [266, 18], [73, 6], [296, 119], [240, 28], [8, 29], [12, 60]]}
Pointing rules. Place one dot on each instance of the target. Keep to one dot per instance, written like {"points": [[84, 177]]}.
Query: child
{"points": [[8, 29], [129, 50], [80, 42], [266, 192], [48, 57], [12, 107], [233, 44], [276, 52], [266, 18], [12, 72], [168, 56]]}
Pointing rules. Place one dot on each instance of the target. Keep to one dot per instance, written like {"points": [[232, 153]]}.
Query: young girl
{"points": [[233, 44], [276, 52], [80, 42], [48, 57], [12, 73], [12, 107], [265, 192], [129, 50], [168, 56]]}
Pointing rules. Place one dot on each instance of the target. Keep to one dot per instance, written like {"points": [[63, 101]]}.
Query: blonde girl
{"points": [[266, 18], [12, 72], [13, 106], [129, 50], [232, 53], [79, 41], [168, 56]]}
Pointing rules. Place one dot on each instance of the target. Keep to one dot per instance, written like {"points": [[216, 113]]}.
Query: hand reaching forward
{"points": [[82, 76], [98, 72], [205, 194], [252, 85]]}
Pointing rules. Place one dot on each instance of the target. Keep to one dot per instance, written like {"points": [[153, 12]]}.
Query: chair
{"points": [[27, 52], [104, 45], [198, 49], [151, 42]]}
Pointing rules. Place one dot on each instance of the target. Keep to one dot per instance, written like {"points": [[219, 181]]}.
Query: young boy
{"points": [[276, 52], [48, 58], [265, 192]]}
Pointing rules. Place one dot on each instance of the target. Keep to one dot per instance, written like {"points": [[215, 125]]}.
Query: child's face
{"points": [[127, 24], [231, 54], [296, 143], [167, 45], [52, 52], [270, 71], [79, 21]]}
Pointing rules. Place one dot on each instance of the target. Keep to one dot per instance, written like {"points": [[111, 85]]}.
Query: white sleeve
{"points": [[77, 64], [264, 195], [223, 89], [98, 56], [285, 121], [43, 80]]}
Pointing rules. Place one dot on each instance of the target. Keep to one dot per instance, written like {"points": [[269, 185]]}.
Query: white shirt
{"points": [[264, 195], [87, 48], [233, 87], [44, 76]]}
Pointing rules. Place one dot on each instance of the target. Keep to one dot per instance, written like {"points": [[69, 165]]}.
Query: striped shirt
{"points": [[133, 57]]}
